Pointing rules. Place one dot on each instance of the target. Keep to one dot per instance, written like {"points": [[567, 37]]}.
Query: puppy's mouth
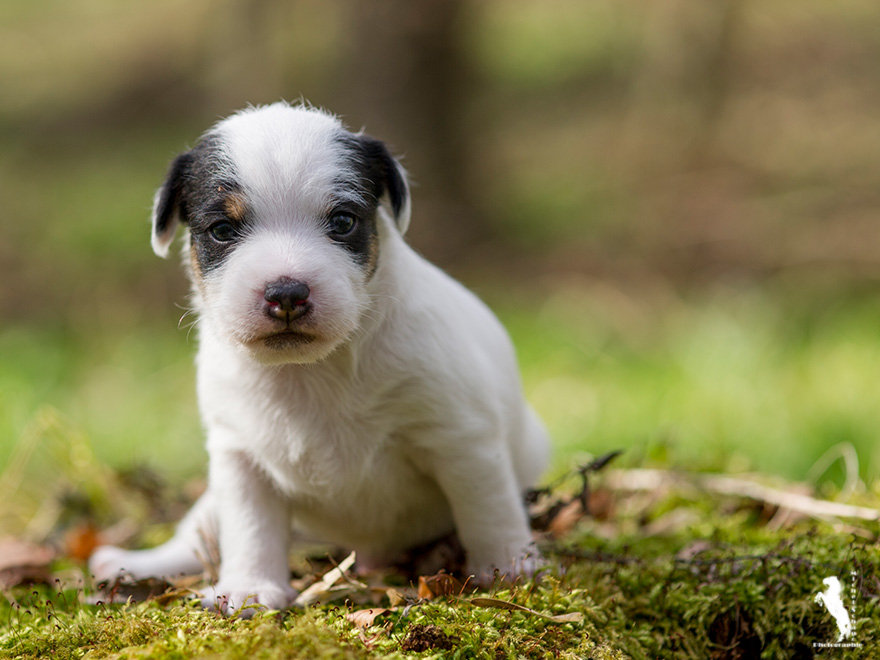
{"points": [[287, 339]]}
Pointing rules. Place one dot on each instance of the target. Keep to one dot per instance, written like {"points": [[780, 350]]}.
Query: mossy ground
{"points": [[718, 580]]}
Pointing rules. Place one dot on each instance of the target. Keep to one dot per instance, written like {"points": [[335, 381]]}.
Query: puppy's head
{"points": [[285, 211]]}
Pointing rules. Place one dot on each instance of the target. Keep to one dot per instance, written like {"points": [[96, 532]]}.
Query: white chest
{"points": [[337, 450]]}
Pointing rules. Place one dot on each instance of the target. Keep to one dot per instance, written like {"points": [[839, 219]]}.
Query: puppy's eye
{"points": [[341, 224], [222, 232]]}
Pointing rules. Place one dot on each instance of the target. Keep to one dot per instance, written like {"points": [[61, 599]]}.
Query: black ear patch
{"points": [[189, 188], [385, 171], [380, 172], [170, 194], [168, 204]]}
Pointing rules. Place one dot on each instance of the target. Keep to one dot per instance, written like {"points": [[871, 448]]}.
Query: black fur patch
{"points": [[377, 168], [376, 175], [363, 241], [213, 208], [171, 192], [202, 189]]}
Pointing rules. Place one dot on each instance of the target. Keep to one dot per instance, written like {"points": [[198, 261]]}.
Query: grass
{"points": [[735, 378], [130, 391]]}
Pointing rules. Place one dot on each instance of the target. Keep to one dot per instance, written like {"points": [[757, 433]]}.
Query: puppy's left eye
{"points": [[222, 232], [341, 224]]}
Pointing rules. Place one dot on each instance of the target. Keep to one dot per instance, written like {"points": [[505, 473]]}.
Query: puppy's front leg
{"points": [[254, 531], [489, 513]]}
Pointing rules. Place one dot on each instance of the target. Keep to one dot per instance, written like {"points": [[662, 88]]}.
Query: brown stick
{"points": [[638, 480]]}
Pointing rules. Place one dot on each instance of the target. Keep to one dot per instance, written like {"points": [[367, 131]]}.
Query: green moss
{"points": [[681, 596]]}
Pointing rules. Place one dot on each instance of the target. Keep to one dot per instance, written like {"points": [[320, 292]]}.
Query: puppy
{"points": [[349, 389]]}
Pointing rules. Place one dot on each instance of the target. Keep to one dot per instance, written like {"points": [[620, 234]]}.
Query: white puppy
{"points": [[348, 387]]}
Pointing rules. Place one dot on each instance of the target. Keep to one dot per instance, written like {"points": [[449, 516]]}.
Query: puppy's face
{"points": [[285, 211]]}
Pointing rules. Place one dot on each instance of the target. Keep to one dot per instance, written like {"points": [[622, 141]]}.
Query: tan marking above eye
{"points": [[235, 207]]}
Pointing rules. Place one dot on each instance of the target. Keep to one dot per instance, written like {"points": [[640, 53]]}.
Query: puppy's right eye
{"points": [[222, 232]]}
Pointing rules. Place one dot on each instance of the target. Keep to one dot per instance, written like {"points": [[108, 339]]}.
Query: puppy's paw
{"points": [[245, 599], [109, 562]]}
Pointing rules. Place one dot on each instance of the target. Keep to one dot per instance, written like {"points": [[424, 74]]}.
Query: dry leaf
{"points": [[363, 619], [570, 617], [424, 591], [81, 540], [15, 552], [23, 563], [602, 504], [566, 518], [322, 587], [442, 584]]}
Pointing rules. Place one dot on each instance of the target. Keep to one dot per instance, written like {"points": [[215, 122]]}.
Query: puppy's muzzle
{"points": [[287, 300]]}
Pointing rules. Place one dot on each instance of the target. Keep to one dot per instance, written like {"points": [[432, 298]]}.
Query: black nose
{"points": [[287, 299]]}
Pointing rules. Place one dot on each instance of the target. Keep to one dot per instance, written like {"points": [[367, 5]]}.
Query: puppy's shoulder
{"points": [[438, 322], [430, 297]]}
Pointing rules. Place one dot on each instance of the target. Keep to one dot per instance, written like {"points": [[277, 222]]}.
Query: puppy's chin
{"points": [[289, 347]]}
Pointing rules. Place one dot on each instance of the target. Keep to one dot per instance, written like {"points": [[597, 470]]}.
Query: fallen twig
{"points": [[324, 586], [644, 479], [570, 617]]}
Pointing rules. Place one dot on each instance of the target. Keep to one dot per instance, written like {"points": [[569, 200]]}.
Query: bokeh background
{"points": [[672, 205]]}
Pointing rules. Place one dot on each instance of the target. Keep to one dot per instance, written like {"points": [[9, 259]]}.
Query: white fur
{"points": [[404, 421]]}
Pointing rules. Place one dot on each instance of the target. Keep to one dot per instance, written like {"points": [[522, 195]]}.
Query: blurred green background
{"points": [[672, 205]]}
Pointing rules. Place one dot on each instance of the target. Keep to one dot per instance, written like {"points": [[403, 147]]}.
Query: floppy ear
{"points": [[167, 211], [390, 179], [398, 193]]}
